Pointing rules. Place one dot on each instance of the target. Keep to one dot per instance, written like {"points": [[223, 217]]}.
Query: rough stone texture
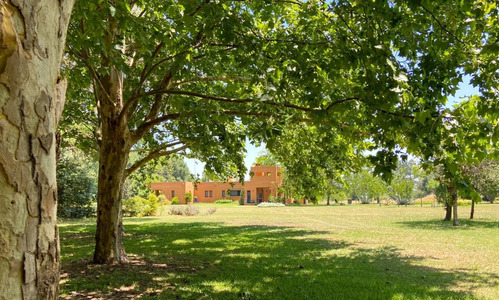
{"points": [[32, 35]]}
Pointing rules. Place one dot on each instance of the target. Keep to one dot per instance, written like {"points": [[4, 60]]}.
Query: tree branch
{"points": [[226, 99], [440, 24], [145, 126], [210, 78], [200, 7], [154, 154], [95, 76], [340, 102]]}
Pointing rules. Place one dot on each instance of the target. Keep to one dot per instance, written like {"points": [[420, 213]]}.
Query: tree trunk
{"points": [[448, 213], [109, 235], [472, 210], [32, 36], [328, 199], [114, 149], [454, 202]]}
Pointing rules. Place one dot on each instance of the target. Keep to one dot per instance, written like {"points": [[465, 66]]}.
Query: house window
{"points": [[223, 194], [234, 193], [268, 173], [206, 194], [173, 194], [211, 195]]}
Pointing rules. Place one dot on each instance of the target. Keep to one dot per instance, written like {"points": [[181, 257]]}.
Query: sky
{"points": [[196, 166], [464, 89]]}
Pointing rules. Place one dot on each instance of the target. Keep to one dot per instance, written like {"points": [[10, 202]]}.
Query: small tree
{"points": [[175, 200], [402, 187], [242, 197], [484, 178], [443, 196], [188, 197], [365, 187]]}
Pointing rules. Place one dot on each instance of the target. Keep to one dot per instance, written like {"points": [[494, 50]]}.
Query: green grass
{"points": [[299, 252]]}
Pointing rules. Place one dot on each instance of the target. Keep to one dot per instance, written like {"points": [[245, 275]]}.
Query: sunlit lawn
{"points": [[296, 252]]}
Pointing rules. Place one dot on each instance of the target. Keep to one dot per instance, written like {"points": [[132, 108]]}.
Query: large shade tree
{"points": [[173, 75], [32, 36]]}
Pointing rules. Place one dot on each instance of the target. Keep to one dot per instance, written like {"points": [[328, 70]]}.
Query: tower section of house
{"points": [[264, 182]]}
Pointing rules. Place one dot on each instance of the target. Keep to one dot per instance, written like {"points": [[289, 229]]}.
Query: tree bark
{"points": [[472, 210], [448, 213], [113, 157], [32, 36], [109, 235], [454, 202], [328, 199]]}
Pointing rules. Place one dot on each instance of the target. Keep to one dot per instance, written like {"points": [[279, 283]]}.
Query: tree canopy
{"points": [[363, 68]]}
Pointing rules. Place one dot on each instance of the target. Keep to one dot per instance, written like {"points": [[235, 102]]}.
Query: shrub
{"points": [[464, 202], [184, 210], [268, 204], [176, 210], [188, 197], [364, 199], [134, 206], [175, 200], [152, 205], [211, 211], [76, 185], [272, 199], [163, 200], [77, 211], [191, 211], [223, 201]]}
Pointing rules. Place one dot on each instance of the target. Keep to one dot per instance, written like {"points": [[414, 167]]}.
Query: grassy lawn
{"points": [[295, 252]]}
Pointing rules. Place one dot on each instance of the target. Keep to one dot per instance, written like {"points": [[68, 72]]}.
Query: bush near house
{"points": [[152, 205], [163, 200], [184, 210], [269, 204], [188, 197], [223, 201], [277, 199], [133, 206], [211, 211], [175, 200], [138, 207]]}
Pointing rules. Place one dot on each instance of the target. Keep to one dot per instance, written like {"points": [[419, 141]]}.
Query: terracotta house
{"points": [[264, 182]]}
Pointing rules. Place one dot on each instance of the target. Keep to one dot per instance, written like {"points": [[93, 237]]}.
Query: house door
{"points": [[249, 196], [266, 194], [260, 195]]}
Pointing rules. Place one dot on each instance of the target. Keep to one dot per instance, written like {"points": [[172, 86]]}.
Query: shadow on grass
{"points": [[214, 261], [448, 225]]}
